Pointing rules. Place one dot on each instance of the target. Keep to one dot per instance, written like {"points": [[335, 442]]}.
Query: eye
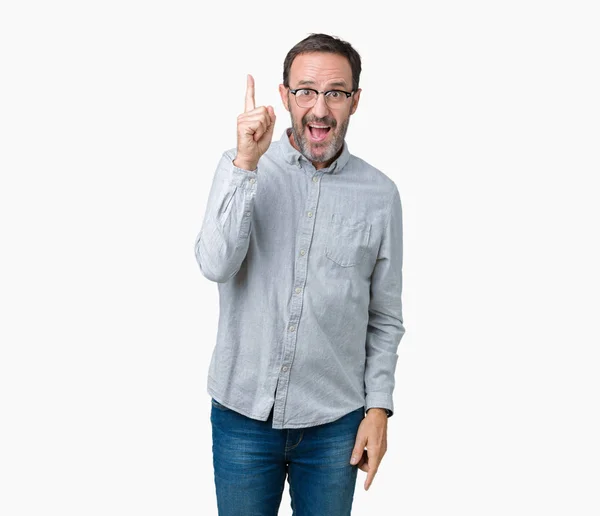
{"points": [[334, 94], [304, 93]]}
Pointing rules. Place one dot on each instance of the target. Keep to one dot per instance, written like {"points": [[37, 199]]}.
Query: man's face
{"points": [[321, 71]]}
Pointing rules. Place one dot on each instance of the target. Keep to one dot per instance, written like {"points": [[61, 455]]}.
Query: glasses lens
{"points": [[306, 98], [335, 98]]}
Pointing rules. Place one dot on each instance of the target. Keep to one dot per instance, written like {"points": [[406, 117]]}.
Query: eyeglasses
{"points": [[307, 97]]}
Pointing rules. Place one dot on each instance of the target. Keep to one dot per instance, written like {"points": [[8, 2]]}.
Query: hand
{"points": [[254, 130], [371, 433]]}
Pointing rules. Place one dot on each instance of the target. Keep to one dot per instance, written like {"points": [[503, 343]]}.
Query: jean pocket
{"points": [[347, 240]]}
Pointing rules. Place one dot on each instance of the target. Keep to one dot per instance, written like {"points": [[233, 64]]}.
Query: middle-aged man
{"points": [[305, 242]]}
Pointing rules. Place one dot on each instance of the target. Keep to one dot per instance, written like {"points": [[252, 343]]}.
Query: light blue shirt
{"points": [[309, 270]]}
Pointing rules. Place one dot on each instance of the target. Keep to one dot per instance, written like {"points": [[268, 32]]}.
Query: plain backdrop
{"points": [[113, 116]]}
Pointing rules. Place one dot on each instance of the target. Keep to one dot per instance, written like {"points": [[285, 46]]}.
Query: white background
{"points": [[113, 116]]}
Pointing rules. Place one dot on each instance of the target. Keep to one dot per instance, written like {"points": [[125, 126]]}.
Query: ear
{"points": [[284, 96], [355, 99]]}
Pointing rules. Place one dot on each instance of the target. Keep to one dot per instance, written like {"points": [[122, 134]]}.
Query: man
{"points": [[305, 243]]}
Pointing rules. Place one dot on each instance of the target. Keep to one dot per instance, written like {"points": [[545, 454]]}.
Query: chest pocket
{"points": [[347, 240]]}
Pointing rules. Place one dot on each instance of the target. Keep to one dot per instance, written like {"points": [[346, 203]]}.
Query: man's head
{"points": [[319, 123]]}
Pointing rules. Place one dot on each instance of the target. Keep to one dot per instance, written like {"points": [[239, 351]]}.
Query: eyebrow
{"points": [[339, 84]]}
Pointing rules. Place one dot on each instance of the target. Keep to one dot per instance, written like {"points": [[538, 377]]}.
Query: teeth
{"points": [[320, 126]]}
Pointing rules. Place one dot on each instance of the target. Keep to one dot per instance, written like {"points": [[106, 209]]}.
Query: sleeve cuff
{"points": [[380, 400], [244, 178]]}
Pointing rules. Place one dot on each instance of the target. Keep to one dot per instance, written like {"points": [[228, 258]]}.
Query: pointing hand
{"points": [[254, 130]]}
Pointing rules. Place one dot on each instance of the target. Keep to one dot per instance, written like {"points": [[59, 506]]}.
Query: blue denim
{"points": [[251, 460]]}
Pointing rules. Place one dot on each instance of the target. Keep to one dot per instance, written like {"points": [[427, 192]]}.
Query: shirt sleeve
{"points": [[222, 243], [386, 326]]}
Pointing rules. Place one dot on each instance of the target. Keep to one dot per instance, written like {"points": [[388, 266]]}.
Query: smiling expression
{"points": [[318, 132]]}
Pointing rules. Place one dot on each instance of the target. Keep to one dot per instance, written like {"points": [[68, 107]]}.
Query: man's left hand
{"points": [[372, 434]]}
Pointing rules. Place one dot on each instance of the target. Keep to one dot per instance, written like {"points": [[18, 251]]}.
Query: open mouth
{"points": [[318, 132]]}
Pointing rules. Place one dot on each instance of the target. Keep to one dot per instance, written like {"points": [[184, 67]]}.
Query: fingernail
{"points": [[354, 460]]}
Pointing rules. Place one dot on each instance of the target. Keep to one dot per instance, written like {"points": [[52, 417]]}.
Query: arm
{"points": [[223, 241], [384, 331], [224, 238], [385, 328]]}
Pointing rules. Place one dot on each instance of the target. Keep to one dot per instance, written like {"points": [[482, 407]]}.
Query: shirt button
{"points": [[302, 252], [298, 289], [315, 179], [292, 328], [310, 213], [252, 180], [284, 368], [247, 214]]}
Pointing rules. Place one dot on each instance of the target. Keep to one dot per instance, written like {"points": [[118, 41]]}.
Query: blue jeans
{"points": [[251, 461]]}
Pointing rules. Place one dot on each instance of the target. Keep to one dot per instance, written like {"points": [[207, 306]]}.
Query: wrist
{"points": [[378, 411], [244, 165]]}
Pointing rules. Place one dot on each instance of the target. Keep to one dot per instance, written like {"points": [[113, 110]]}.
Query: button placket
{"points": [[306, 231]]}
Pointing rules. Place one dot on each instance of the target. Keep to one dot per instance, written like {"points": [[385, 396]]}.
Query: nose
{"points": [[320, 109]]}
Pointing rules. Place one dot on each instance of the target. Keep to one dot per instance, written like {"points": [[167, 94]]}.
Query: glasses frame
{"points": [[324, 93]]}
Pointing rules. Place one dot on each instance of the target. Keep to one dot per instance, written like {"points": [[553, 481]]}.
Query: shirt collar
{"points": [[293, 156]]}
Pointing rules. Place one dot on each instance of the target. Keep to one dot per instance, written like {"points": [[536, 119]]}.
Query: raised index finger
{"points": [[250, 93]]}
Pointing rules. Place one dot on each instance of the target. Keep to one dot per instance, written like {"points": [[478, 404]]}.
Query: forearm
{"points": [[381, 360], [223, 241]]}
